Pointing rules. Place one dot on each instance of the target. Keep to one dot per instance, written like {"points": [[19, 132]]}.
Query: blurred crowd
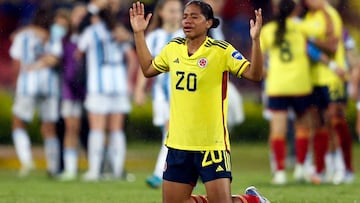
{"points": [[14, 14], [71, 58]]}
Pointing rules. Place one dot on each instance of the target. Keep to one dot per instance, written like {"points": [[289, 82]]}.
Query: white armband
{"points": [[332, 65]]}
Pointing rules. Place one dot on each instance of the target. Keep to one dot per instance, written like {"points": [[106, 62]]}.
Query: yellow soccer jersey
{"points": [[317, 25], [288, 72], [336, 85], [198, 101], [340, 57]]}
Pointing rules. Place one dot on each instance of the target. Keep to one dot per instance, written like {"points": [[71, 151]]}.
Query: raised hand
{"points": [[255, 26], [137, 17]]}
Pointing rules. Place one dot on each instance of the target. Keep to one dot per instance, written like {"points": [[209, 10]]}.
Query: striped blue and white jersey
{"points": [[105, 61], [156, 41], [28, 47]]}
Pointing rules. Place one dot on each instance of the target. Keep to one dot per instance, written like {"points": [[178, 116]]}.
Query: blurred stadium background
{"points": [[236, 15]]}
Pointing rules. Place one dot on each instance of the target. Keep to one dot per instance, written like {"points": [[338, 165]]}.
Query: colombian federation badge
{"points": [[202, 63]]}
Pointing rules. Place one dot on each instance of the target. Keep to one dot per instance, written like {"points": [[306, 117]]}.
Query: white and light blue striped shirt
{"points": [[105, 61], [28, 47], [156, 41]]}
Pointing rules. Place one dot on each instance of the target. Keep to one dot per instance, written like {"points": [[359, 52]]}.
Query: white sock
{"points": [[95, 151], [70, 160], [52, 154], [329, 164], [117, 152], [339, 161], [22, 146], [160, 163]]}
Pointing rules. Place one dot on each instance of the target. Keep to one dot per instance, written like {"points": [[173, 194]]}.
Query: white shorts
{"points": [[70, 108], [161, 112], [24, 108], [107, 104]]}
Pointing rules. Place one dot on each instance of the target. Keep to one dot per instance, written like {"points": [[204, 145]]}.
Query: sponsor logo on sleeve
{"points": [[237, 55]]}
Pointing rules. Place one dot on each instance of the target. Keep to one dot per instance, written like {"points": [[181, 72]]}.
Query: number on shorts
{"points": [[212, 157]]}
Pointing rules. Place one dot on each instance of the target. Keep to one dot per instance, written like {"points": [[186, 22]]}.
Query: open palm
{"points": [[137, 17], [255, 26]]}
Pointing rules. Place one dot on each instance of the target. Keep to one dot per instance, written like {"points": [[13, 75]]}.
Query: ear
{"points": [[209, 23]]}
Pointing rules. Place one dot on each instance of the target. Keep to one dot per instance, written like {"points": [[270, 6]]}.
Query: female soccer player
{"points": [[107, 92], [73, 92], [323, 25], [198, 140], [288, 85], [35, 52], [165, 25]]}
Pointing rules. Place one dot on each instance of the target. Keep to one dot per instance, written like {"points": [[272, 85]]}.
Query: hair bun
{"points": [[216, 23]]}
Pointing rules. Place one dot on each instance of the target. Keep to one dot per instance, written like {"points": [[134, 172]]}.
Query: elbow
{"points": [[147, 75], [255, 73], [257, 77]]}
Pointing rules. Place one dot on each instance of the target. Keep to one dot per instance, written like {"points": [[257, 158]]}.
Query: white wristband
{"points": [[332, 65]]}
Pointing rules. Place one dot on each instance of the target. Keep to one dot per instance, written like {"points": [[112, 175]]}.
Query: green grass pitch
{"points": [[250, 167]]}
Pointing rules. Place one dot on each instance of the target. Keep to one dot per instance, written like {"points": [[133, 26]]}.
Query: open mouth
{"points": [[187, 28]]}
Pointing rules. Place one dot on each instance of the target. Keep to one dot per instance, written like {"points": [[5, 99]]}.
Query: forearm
{"points": [[255, 71], [16, 65], [132, 63], [47, 61], [329, 46]]}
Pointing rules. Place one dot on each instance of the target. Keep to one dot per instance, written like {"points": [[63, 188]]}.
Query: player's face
{"points": [[194, 22], [171, 13]]}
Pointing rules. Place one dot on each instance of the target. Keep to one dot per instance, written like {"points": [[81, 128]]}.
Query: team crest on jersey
{"points": [[237, 55], [202, 63]]}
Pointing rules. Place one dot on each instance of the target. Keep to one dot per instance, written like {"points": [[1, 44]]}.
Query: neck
{"points": [[194, 44]]}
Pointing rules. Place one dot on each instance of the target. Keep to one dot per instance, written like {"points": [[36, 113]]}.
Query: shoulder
{"points": [[26, 32], [178, 40], [217, 44], [86, 32]]}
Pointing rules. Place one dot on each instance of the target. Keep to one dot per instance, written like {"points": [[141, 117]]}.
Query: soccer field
{"points": [[250, 167]]}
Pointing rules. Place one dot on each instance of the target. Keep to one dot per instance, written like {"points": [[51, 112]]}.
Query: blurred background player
{"points": [[353, 62], [354, 83], [288, 85], [165, 26], [35, 52], [73, 92], [324, 26], [107, 95]]}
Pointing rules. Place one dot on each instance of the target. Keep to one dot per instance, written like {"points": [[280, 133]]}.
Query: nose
{"points": [[186, 21]]}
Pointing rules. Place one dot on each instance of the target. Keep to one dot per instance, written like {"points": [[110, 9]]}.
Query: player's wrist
{"points": [[139, 33]]}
